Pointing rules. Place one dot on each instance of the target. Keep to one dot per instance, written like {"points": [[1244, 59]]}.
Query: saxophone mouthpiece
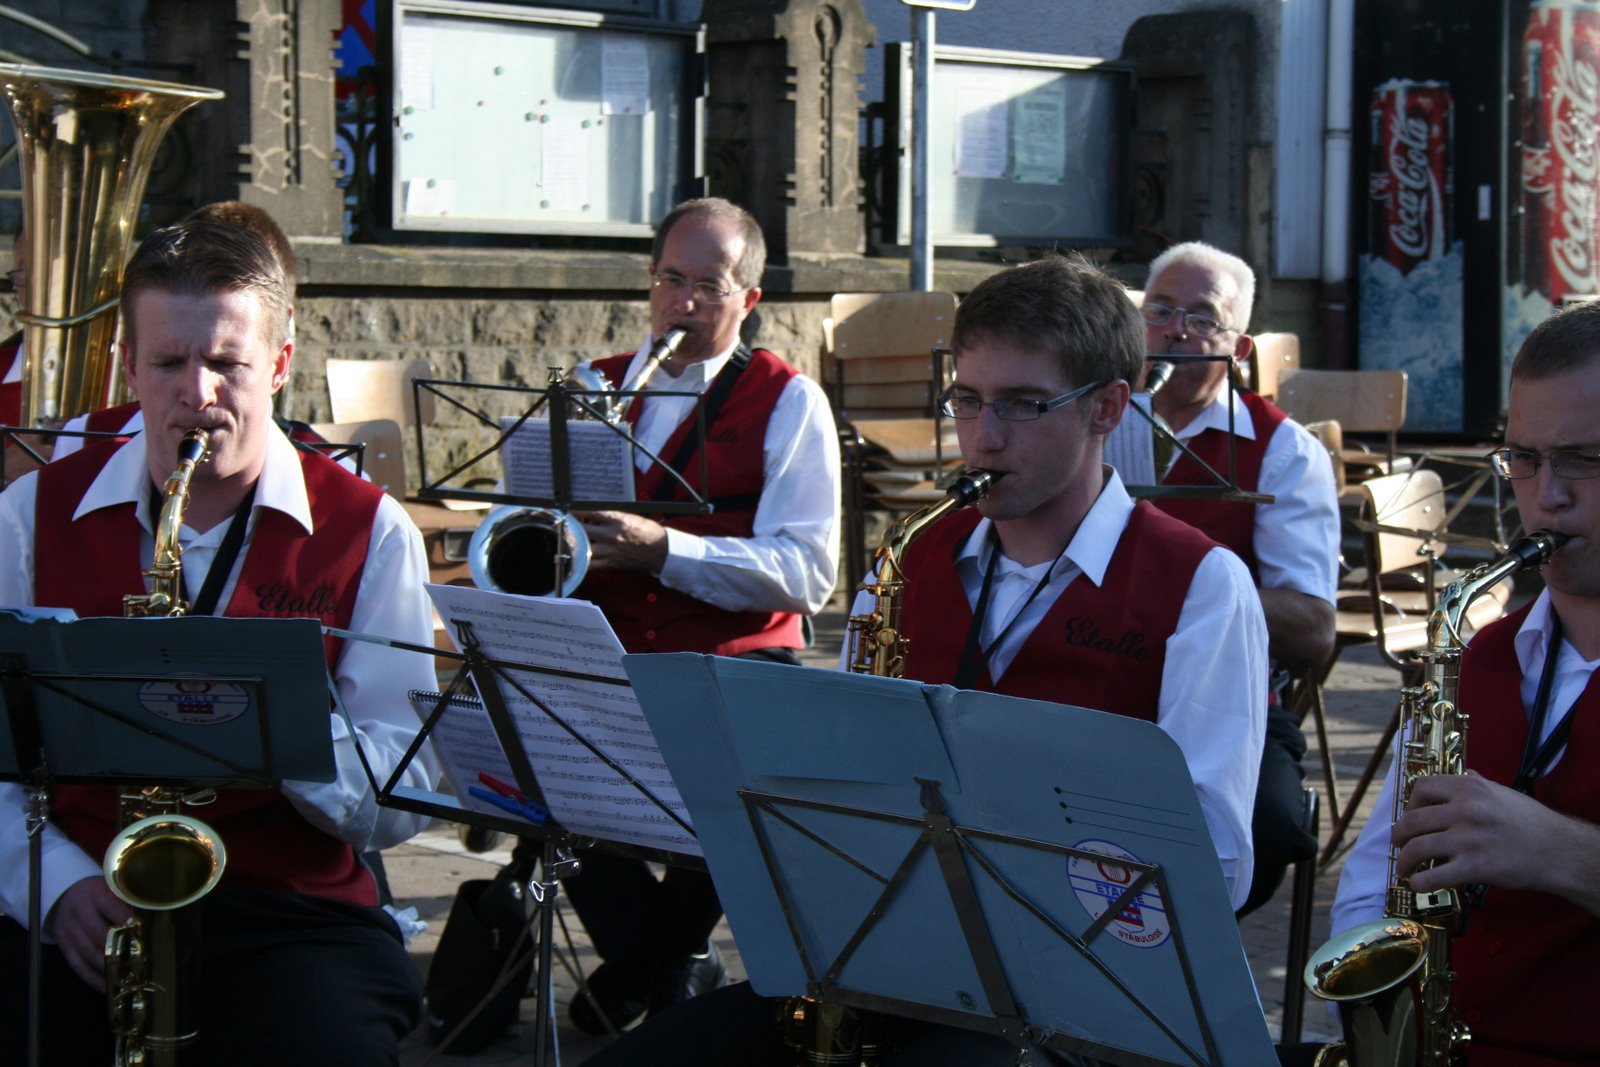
{"points": [[1536, 549], [192, 448], [667, 344], [1154, 378], [972, 486]]}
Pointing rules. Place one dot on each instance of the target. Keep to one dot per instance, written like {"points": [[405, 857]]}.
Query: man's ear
{"points": [[129, 376], [280, 366], [1110, 404]]}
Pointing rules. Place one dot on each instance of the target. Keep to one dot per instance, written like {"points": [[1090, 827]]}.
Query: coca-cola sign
{"points": [[1416, 190], [1411, 187]]}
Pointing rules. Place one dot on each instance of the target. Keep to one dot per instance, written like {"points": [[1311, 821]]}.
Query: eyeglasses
{"points": [[1197, 323], [1569, 463], [1007, 409], [704, 292]]}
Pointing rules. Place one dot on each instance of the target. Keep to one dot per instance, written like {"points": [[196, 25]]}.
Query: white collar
{"points": [[1533, 636], [14, 372], [125, 479], [1095, 540], [1215, 417]]}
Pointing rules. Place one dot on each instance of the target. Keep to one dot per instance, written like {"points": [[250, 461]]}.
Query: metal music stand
{"points": [[1221, 487], [234, 703], [495, 681], [962, 858]]}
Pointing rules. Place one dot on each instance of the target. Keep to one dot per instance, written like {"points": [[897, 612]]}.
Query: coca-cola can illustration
{"points": [[1412, 178], [1560, 167]]}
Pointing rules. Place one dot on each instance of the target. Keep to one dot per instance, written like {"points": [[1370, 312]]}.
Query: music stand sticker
{"points": [[1006, 865]]}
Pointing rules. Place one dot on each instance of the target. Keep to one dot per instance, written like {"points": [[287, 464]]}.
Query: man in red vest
{"points": [[1197, 302], [298, 964], [11, 347], [734, 582], [1057, 586], [1525, 820]]}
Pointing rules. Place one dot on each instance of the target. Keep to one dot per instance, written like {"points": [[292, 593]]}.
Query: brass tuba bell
{"points": [[85, 143]]}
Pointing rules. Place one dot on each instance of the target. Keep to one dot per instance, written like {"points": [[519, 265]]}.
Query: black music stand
{"points": [[1219, 486], [232, 702], [486, 666], [959, 857]]}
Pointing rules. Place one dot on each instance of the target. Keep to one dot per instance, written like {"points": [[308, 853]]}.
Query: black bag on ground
{"points": [[487, 932]]}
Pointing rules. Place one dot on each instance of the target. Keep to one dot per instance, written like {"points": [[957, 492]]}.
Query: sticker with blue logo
{"points": [[1100, 879], [194, 701]]}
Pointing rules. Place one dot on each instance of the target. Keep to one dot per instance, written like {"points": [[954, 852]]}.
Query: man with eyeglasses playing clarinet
{"points": [[1197, 302], [1524, 821], [735, 582]]}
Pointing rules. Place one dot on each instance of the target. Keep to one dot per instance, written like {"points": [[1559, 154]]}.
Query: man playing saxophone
{"points": [[1059, 587], [299, 965], [1521, 829]]}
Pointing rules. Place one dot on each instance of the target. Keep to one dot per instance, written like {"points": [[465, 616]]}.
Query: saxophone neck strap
{"points": [[1536, 755], [227, 552], [974, 657]]}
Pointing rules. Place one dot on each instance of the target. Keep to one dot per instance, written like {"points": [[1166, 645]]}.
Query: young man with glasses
{"points": [[1057, 586], [1525, 820], [733, 582], [1197, 302]]}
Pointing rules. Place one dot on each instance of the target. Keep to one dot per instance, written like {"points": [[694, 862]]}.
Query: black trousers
{"points": [[1278, 837], [284, 978]]}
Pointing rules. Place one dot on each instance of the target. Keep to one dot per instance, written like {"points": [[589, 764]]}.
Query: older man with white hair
{"points": [[1197, 302]]}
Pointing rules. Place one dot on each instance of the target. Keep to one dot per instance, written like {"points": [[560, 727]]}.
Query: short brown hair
{"points": [[256, 219], [202, 257], [1063, 305], [747, 272], [1567, 340]]}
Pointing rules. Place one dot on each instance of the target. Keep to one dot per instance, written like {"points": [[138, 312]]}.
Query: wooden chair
{"points": [[882, 375], [1362, 401], [1275, 355], [363, 389], [382, 456], [1387, 604], [1331, 436]]}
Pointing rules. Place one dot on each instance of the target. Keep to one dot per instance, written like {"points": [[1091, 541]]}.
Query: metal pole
{"points": [[922, 32]]}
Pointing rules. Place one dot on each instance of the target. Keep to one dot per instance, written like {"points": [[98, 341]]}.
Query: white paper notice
{"points": [[434, 198], [624, 75], [416, 68], [983, 127], [466, 744], [585, 794], [1041, 140], [1131, 447], [600, 458], [564, 164]]}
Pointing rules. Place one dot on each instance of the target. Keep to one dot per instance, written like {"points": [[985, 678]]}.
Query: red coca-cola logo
{"points": [[1414, 187], [1574, 104]]}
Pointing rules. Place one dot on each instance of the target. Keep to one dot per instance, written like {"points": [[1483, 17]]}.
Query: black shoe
{"points": [[688, 977], [621, 998]]}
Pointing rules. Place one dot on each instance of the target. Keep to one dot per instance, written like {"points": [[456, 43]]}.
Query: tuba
{"points": [[161, 861], [542, 551], [85, 144], [824, 1033], [1391, 978]]}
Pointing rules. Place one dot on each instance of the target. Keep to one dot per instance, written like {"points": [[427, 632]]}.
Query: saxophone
{"points": [[162, 860], [1387, 973], [820, 1032]]}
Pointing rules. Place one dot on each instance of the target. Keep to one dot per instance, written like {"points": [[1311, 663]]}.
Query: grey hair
{"points": [[1208, 257]]}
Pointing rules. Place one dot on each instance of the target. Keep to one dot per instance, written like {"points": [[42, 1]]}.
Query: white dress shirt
{"points": [[789, 561], [372, 680], [1219, 724], [1364, 882], [1297, 535], [66, 445]]}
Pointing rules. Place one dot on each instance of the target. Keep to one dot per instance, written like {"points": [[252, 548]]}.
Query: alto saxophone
{"points": [[161, 861], [826, 1033], [1387, 973]]}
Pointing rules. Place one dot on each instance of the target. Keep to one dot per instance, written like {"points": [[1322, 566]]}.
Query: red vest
{"points": [[1527, 982], [1231, 524], [89, 564], [10, 392], [649, 617], [1102, 647]]}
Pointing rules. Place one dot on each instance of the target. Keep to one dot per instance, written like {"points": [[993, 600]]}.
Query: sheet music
{"points": [[583, 793], [1131, 448], [465, 742], [600, 458]]}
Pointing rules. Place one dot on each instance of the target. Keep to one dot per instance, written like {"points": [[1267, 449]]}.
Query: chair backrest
{"points": [[1407, 510], [1275, 354], [383, 459], [1363, 401], [879, 362], [364, 389], [1330, 435]]}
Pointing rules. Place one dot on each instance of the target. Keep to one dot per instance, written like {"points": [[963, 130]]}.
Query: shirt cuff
{"points": [[685, 553]]}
